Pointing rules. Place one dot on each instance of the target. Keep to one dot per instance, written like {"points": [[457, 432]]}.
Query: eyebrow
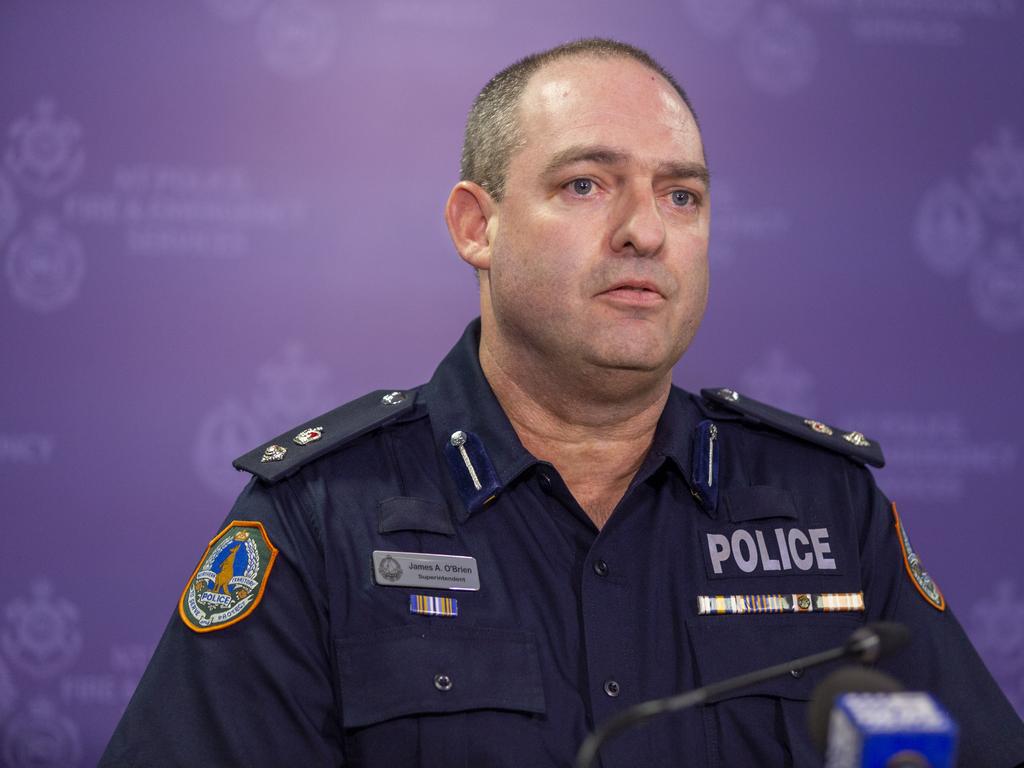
{"points": [[610, 156]]}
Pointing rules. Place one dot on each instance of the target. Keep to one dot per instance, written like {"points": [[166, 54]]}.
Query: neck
{"points": [[596, 432]]}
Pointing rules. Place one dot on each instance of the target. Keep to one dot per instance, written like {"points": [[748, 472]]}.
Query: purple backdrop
{"points": [[220, 217]]}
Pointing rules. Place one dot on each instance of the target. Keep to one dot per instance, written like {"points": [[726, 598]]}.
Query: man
{"points": [[479, 571]]}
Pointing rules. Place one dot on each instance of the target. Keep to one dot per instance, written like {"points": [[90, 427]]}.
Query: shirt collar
{"points": [[673, 437], [459, 397]]}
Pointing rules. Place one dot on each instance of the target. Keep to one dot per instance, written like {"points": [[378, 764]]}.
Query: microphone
{"points": [[866, 645], [860, 718], [871, 642]]}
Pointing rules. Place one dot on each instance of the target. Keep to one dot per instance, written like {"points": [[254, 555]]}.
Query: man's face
{"points": [[599, 258]]}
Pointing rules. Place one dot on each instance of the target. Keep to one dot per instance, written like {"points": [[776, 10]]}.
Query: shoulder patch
{"points": [[229, 581], [849, 443], [926, 587], [287, 453]]}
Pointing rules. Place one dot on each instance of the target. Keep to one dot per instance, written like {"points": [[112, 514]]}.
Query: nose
{"points": [[639, 226]]}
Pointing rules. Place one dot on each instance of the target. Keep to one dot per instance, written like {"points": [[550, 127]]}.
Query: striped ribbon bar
{"points": [[806, 602], [427, 605]]}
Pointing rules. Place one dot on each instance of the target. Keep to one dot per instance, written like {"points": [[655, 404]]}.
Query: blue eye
{"points": [[681, 197], [582, 186]]}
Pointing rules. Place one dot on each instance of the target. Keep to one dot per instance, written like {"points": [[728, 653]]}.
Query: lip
{"points": [[633, 293], [638, 284]]}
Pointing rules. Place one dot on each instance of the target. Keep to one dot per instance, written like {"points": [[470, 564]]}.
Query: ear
{"points": [[471, 215]]}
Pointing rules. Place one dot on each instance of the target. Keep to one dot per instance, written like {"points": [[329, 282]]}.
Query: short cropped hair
{"points": [[492, 127]]}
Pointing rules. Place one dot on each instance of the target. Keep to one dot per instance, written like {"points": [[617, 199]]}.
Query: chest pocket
{"points": [[764, 724], [424, 695]]}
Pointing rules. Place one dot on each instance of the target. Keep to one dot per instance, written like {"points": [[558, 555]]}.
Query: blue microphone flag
{"points": [[886, 730]]}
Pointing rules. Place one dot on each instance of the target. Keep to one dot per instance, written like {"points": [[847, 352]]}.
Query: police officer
{"points": [[478, 571]]}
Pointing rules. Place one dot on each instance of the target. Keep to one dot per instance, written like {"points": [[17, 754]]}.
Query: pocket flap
{"points": [[405, 513], [415, 670], [757, 502], [727, 646]]}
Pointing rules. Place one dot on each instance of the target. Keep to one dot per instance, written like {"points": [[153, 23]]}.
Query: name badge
{"points": [[417, 569]]}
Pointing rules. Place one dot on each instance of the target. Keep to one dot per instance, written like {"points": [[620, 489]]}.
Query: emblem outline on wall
{"points": [[41, 636], [45, 157], [969, 228], [45, 266], [41, 724]]}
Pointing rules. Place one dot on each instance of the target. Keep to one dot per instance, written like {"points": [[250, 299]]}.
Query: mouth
{"points": [[635, 293]]}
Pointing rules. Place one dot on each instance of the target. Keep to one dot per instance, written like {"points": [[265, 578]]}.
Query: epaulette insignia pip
{"points": [[289, 452], [850, 443]]}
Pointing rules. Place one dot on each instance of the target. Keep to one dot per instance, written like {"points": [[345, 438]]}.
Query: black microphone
{"points": [[872, 641], [866, 645]]}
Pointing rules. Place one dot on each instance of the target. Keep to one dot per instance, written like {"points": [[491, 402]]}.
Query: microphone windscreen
{"points": [[871, 641], [843, 680]]}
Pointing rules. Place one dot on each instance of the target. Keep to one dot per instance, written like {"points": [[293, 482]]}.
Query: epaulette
{"points": [[287, 453], [849, 443]]}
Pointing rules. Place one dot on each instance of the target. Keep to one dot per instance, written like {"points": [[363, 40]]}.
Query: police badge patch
{"points": [[929, 589], [228, 583]]}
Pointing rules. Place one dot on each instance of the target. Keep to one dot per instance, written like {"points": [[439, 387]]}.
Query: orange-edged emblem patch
{"points": [[928, 589], [228, 583]]}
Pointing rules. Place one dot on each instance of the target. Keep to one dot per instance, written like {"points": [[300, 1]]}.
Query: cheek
{"points": [[527, 285], [694, 277], [534, 266]]}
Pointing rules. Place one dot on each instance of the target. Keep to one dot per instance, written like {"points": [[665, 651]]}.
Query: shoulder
{"points": [[304, 443], [730, 404]]}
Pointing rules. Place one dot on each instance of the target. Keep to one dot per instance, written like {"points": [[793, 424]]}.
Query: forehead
{"points": [[614, 101]]}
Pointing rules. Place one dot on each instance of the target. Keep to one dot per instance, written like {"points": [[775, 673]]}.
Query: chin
{"points": [[629, 360]]}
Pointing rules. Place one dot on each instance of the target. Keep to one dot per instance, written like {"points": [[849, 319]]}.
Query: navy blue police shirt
{"points": [[786, 551]]}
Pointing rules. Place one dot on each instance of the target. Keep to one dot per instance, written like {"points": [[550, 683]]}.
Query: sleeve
{"points": [[940, 658], [260, 691]]}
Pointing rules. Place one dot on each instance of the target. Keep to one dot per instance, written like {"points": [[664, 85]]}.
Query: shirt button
{"points": [[600, 567], [545, 481], [442, 682], [797, 673], [611, 687]]}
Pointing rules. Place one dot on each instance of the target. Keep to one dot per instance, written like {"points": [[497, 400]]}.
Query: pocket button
{"points": [[442, 682]]}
